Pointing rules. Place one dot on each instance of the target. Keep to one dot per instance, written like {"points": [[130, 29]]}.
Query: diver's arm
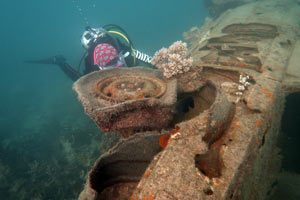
{"points": [[143, 58], [89, 64], [136, 58], [69, 71], [66, 68]]}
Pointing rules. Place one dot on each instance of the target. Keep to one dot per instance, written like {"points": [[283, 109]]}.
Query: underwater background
{"points": [[47, 142]]}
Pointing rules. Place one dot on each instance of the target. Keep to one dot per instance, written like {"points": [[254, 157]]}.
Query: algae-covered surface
{"points": [[47, 152]]}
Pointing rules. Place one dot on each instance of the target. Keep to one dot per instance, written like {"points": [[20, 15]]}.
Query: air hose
{"points": [[123, 34]]}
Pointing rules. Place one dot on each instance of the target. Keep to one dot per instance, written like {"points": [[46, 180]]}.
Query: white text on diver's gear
{"points": [[143, 57]]}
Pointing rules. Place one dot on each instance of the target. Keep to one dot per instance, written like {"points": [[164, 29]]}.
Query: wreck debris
{"points": [[222, 144], [219, 118], [127, 100], [191, 105], [251, 31], [125, 163], [238, 46], [121, 88], [237, 52]]}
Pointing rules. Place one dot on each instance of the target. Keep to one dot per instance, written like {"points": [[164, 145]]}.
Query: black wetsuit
{"points": [[89, 59]]}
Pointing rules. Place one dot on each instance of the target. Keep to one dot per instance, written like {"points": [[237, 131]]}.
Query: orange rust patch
{"points": [[271, 96], [221, 151], [175, 130], [268, 93], [147, 174], [236, 125], [242, 65], [150, 197], [217, 129], [163, 140], [114, 90], [221, 141], [251, 108], [257, 123]]}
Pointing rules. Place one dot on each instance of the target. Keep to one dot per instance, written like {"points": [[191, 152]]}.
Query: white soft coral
{"points": [[172, 61]]}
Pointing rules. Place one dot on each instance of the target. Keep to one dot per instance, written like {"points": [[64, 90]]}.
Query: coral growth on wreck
{"points": [[172, 61]]}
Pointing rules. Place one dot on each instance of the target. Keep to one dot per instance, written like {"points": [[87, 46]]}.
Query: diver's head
{"points": [[90, 36]]}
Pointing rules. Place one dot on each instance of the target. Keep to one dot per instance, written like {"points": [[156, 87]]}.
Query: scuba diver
{"points": [[103, 50]]}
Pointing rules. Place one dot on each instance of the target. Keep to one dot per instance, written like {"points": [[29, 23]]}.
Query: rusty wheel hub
{"points": [[126, 87]]}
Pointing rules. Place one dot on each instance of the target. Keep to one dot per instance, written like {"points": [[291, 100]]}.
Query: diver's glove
{"points": [[59, 59]]}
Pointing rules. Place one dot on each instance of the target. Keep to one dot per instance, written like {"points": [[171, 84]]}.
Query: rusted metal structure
{"points": [[223, 145], [127, 100]]}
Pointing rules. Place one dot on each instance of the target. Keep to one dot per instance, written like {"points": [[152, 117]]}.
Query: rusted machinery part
{"points": [[220, 117], [210, 98], [117, 85], [126, 162], [127, 87], [236, 46], [212, 108], [191, 105], [127, 99]]}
